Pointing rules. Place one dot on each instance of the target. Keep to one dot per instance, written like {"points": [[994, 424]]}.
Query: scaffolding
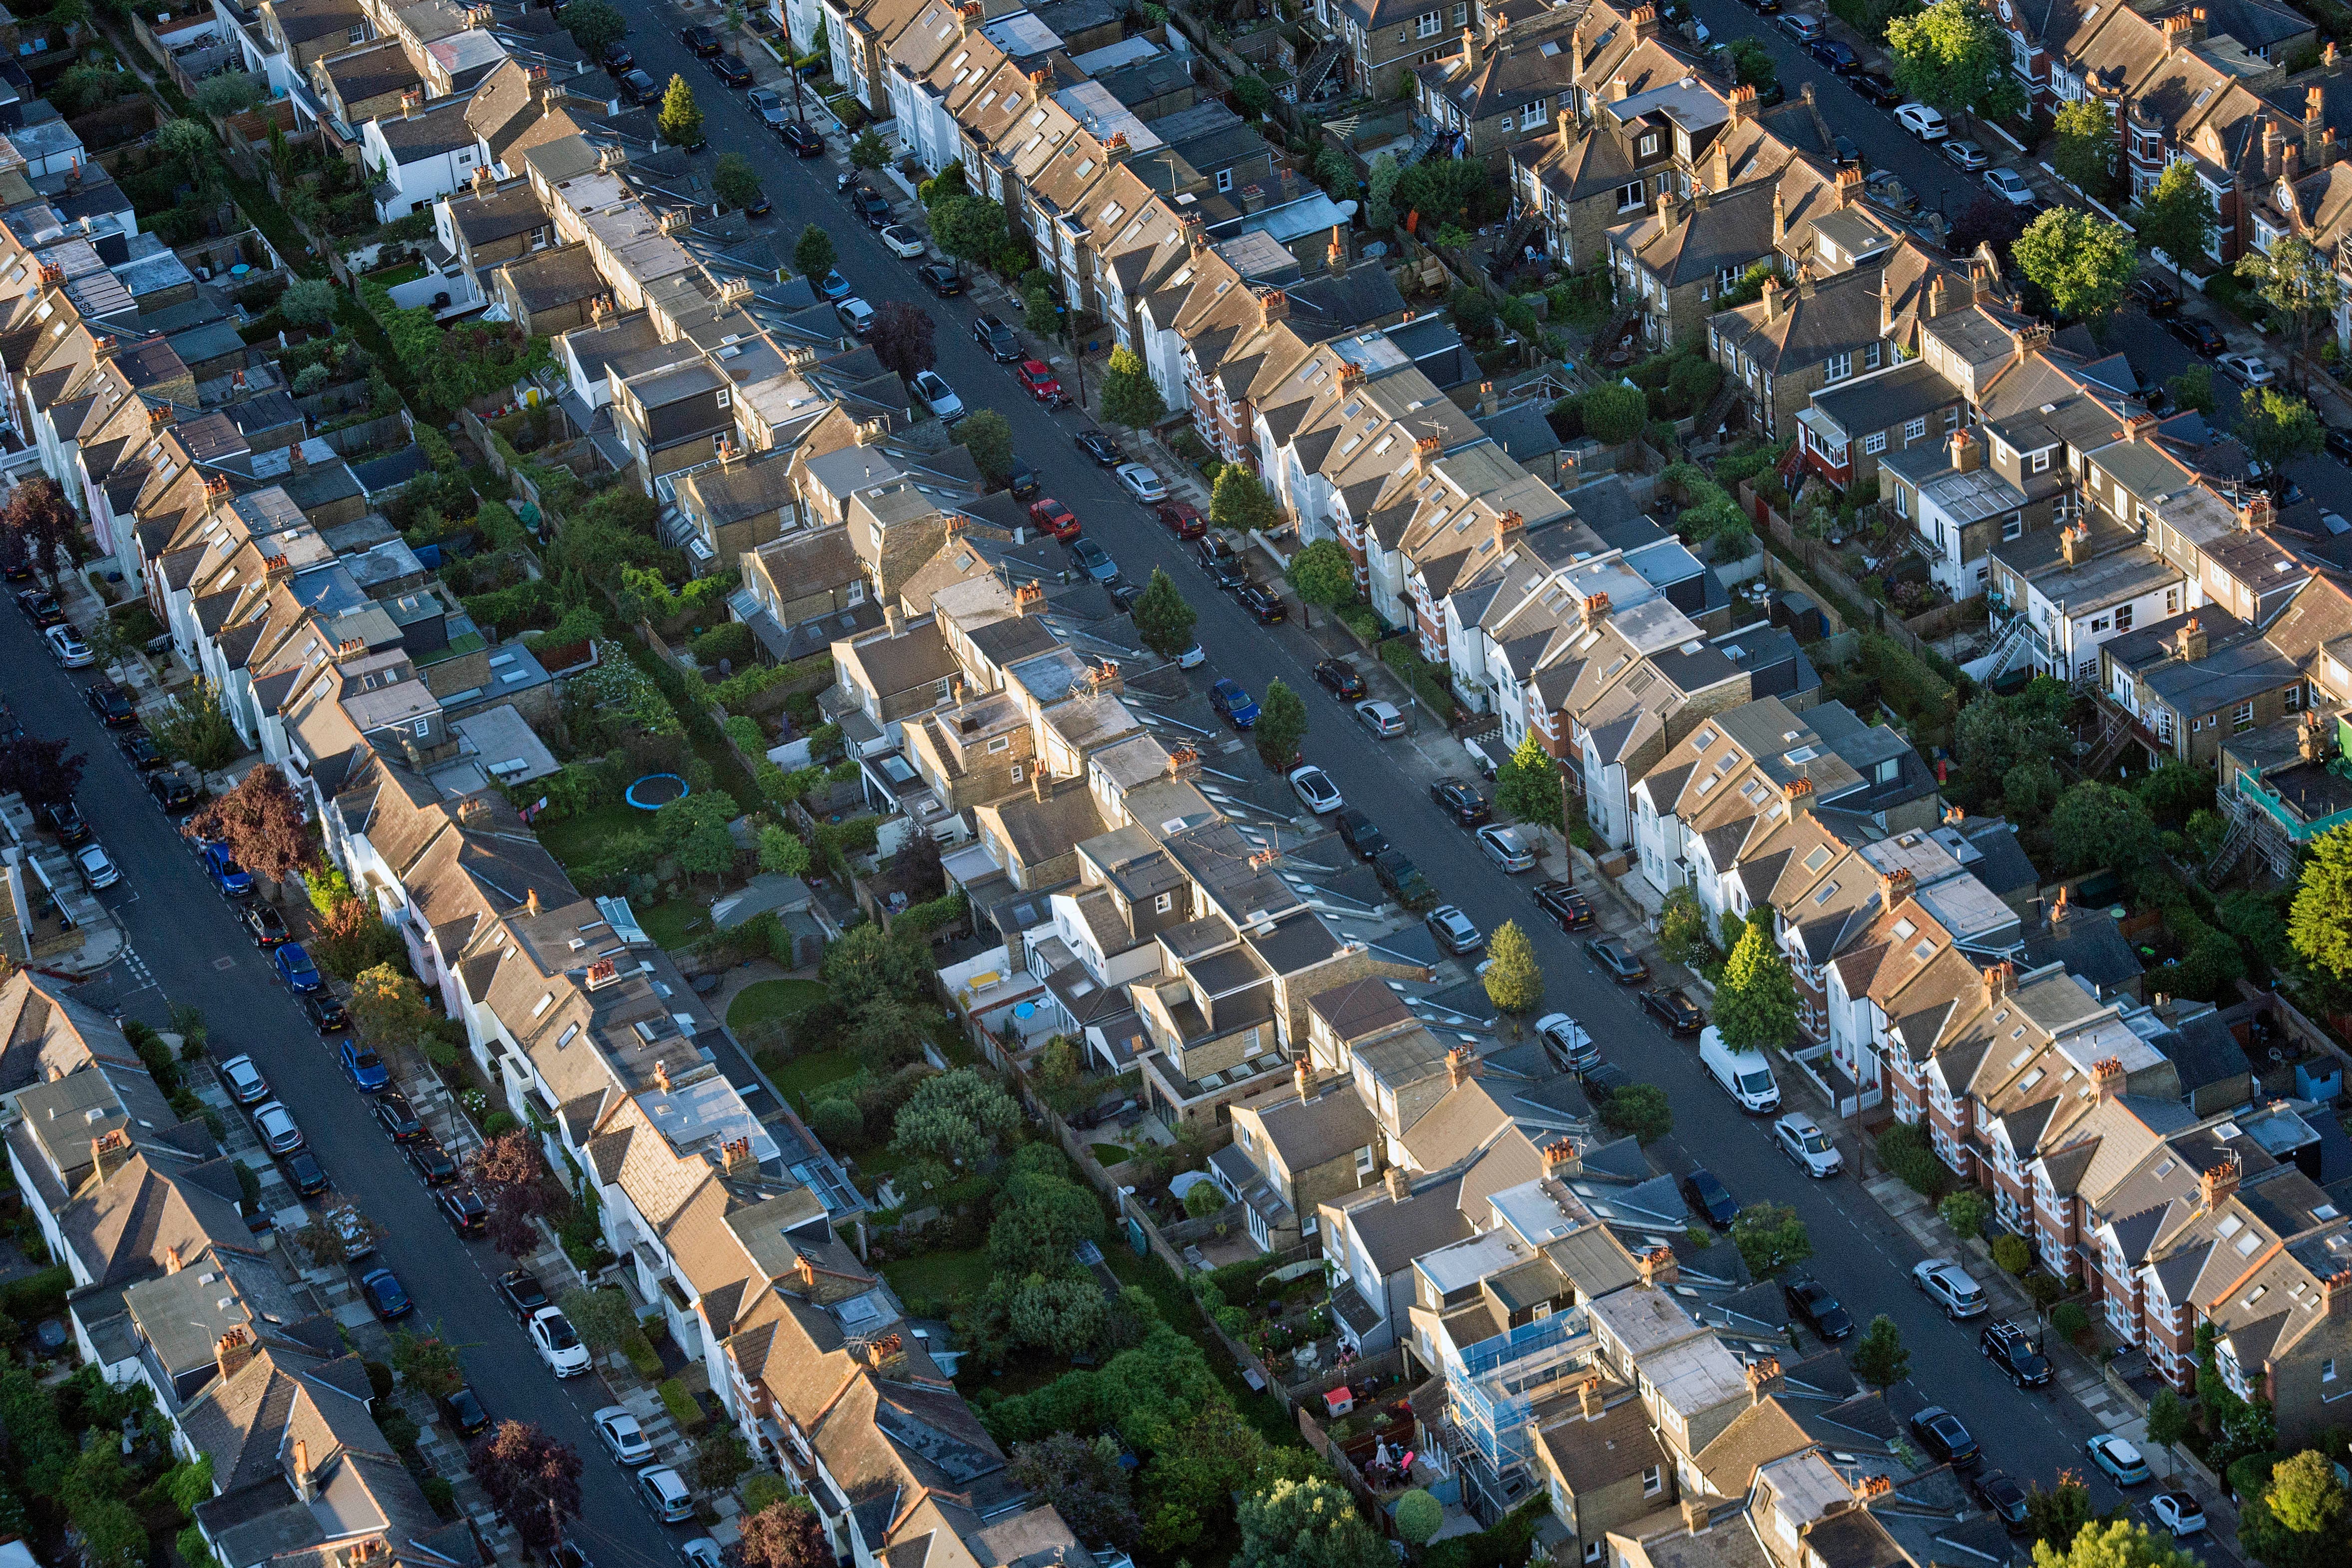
{"points": [[1492, 1393]]}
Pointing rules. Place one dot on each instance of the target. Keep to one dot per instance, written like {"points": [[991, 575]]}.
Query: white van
{"points": [[1744, 1075]]}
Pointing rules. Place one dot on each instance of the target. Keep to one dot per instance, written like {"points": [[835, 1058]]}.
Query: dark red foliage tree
{"points": [[903, 339], [508, 1171], [261, 822], [41, 526], [40, 771], [784, 1534], [532, 1478]]}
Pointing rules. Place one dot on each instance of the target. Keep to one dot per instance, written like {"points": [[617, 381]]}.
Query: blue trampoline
{"points": [[657, 791]]}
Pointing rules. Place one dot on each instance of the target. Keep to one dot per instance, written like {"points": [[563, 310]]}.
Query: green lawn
{"points": [[942, 1276], [576, 840], [675, 922], [772, 999], [798, 1078], [1111, 1153]]}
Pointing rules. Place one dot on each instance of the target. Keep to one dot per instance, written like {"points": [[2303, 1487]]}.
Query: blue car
{"points": [[294, 968], [363, 1066], [835, 287], [233, 879], [384, 1296], [1234, 705]]}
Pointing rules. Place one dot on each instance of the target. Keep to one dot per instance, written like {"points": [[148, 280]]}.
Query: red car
{"points": [[1055, 519], [1183, 518], [1038, 379]]}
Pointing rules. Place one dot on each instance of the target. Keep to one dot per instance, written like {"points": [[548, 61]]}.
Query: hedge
{"points": [[681, 1404], [1906, 1150], [1427, 680]]}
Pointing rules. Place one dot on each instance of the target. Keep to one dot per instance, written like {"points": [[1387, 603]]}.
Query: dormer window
{"points": [[1649, 144]]}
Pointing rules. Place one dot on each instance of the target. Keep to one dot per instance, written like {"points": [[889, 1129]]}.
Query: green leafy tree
{"points": [[2300, 283], [2169, 1421], [41, 526], [1240, 500], [734, 180], [426, 1363], [988, 436], [1281, 725], [2177, 215], [1081, 1479], [694, 828], [1682, 929], [1254, 96], [680, 119], [2116, 1543], [1203, 1199], [2277, 426], [1528, 785], [1770, 1237], [1039, 1224], [1039, 311], [1879, 1358], [603, 1317], [1419, 1516], [814, 254], [2084, 265], [229, 93], [1955, 56], [1163, 617], [866, 963], [2319, 924], [2193, 387], [1128, 397], [1309, 1523], [2056, 1515], [2085, 154], [957, 1119], [595, 25], [389, 1007], [1615, 413], [309, 302], [1639, 1112], [2096, 824], [1323, 575], [948, 181], [1444, 190], [783, 852], [2299, 1520], [1753, 65], [1515, 982], [968, 228], [869, 152], [1756, 1005], [1380, 193], [1964, 1211]]}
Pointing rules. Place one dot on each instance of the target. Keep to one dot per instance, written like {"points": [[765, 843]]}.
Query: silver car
{"points": [[246, 1083], [1504, 847], [1801, 1139], [1948, 1285], [624, 1438], [278, 1128], [1381, 719]]}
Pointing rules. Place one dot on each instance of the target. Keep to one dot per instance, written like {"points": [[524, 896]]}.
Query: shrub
{"points": [[1964, 1212], [680, 1404], [2069, 1318], [732, 640], [1904, 1150], [643, 1360], [441, 1495], [2012, 1254], [499, 1121]]}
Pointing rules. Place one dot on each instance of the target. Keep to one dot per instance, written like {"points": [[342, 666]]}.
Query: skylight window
{"points": [[2247, 1243], [1818, 858], [2229, 1227], [1924, 952], [1825, 895], [1902, 930]]}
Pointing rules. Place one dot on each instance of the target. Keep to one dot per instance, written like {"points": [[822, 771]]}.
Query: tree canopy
{"points": [[2277, 426], [2319, 924], [957, 1118], [735, 181], [2297, 282], [814, 254], [2083, 263], [1770, 1237], [595, 25], [2096, 824], [1528, 784], [1240, 500], [532, 1478], [2177, 215], [39, 770], [1879, 1358], [988, 436], [1281, 726], [680, 119], [1163, 617], [1515, 982], [41, 526], [1323, 575], [2118, 1544], [786, 1533], [1128, 396], [1756, 1005], [2085, 154], [1310, 1523], [261, 822], [905, 338], [1955, 56]]}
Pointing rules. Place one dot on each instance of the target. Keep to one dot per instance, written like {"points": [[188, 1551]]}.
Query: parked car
{"points": [[1053, 518], [1677, 1012], [856, 315], [97, 867], [68, 648], [904, 242], [384, 1296], [1800, 25], [876, 211], [431, 1163], [39, 606], [1142, 481], [2252, 369], [1839, 57], [1568, 1043], [1314, 787], [1710, 1198], [1966, 154], [326, 1014], [618, 57], [277, 1126], [1455, 931], [362, 1064], [2157, 297], [521, 1290], [1808, 1147], [1874, 88], [1100, 448], [1569, 909], [1039, 380], [1403, 879], [1460, 800], [1093, 559], [2010, 186], [2119, 1460], [2009, 1347], [2339, 445], [1504, 849], [138, 749], [834, 287], [354, 1231], [1381, 719], [704, 41], [396, 1117], [2202, 337], [1003, 344], [621, 1436], [294, 966], [1360, 834], [464, 1412], [1183, 519], [246, 1083], [1948, 1285], [1222, 562], [1942, 1435], [464, 1209], [233, 879], [112, 704], [2006, 1499], [1813, 1301], [1339, 677], [938, 395], [803, 141], [1265, 606], [638, 88], [1616, 961], [264, 924], [304, 1173], [663, 1490], [1922, 122], [174, 791], [1232, 704], [2179, 1512], [1022, 481], [65, 822]]}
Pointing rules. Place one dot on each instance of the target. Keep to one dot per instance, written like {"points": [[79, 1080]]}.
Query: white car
{"points": [[96, 869], [938, 397], [246, 1083], [1926, 123], [702, 1552], [1801, 1139], [277, 1129], [1948, 1285], [1503, 847], [624, 1438], [1380, 718], [68, 648], [1141, 482], [552, 1335], [904, 242], [1192, 657], [1314, 787], [2177, 1512], [2010, 186], [2248, 368]]}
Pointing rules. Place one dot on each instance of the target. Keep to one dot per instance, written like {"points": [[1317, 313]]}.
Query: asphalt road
{"points": [[187, 945]]}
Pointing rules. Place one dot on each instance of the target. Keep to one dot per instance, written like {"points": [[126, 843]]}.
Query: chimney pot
{"points": [[2108, 1077], [1399, 1181], [1560, 1156], [1303, 1075], [1588, 1397], [1460, 1066], [2218, 1185]]}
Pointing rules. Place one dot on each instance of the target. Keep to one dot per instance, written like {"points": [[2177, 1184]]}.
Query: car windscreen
{"points": [[1756, 1082]]}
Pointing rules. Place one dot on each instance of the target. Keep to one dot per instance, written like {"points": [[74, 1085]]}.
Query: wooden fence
{"points": [[1852, 605]]}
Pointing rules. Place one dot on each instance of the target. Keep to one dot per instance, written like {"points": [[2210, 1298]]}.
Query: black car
{"points": [[431, 1163], [2155, 296], [704, 41], [65, 822], [1022, 481], [1339, 677], [326, 1014], [1944, 1438], [1002, 344], [264, 924], [397, 1117], [1261, 601], [636, 86], [872, 208], [1360, 834], [1567, 908], [1711, 1199], [139, 751], [1677, 1012], [306, 1174], [1403, 878], [465, 1412], [173, 791], [2339, 445], [2009, 1347], [13, 727], [1461, 801], [1840, 58], [1124, 593], [112, 704], [941, 278], [1221, 563], [803, 140], [618, 57], [1101, 448], [1762, 7], [519, 1289], [464, 1209], [731, 69], [2004, 1496], [1617, 960], [2201, 336], [1811, 1300], [1875, 89]]}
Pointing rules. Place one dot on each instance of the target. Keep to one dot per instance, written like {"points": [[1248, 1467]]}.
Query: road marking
{"points": [[224, 963]]}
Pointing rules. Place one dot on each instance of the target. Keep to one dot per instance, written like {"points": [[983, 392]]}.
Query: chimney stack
{"points": [[1489, 402], [1460, 1066], [2074, 544], [1772, 286], [1469, 51], [1575, 69], [1895, 885], [1998, 979], [2337, 1286], [1646, 22], [1849, 184], [2271, 144], [1273, 305], [740, 1165], [1399, 1182], [1509, 527], [531, 903], [171, 1261], [2194, 643], [2315, 127], [661, 1075], [1303, 1075], [232, 1350], [2058, 909], [306, 1481], [2176, 33], [1763, 1379], [2218, 1185], [1696, 1514], [1588, 1397], [1779, 211], [1743, 103], [1029, 599], [1657, 1266], [1335, 255], [1966, 455], [1566, 124], [1037, 784], [2108, 1077], [890, 620], [109, 1152]]}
